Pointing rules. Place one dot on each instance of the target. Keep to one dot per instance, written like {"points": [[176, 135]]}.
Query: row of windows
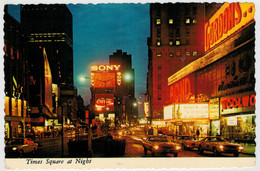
{"points": [[176, 43], [32, 40], [178, 53], [187, 21], [47, 34]]}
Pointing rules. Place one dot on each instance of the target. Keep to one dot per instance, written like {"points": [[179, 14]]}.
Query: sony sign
{"points": [[105, 67]]}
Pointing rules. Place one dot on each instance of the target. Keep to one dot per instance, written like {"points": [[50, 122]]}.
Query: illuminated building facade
{"points": [[223, 78], [50, 26], [105, 79], [176, 39], [16, 79], [125, 93], [40, 90]]}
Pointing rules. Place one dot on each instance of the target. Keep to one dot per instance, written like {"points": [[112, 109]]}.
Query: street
{"points": [[51, 148]]}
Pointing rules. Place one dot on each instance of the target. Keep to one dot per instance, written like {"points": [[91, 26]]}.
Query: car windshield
{"points": [[15, 141], [158, 139], [219, 139]]}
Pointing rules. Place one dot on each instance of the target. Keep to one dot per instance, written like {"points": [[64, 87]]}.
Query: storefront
{"points": [[223, 77], [187, 119], [238, 116]]}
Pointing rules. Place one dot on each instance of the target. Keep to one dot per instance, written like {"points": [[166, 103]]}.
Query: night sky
{"points": [[99, 30]]}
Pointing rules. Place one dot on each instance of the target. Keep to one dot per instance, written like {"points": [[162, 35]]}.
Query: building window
{"points": [[177, 42], [187, 41], [194, 10], [177, 31], [187, 53], [158, 43], [171, 54], [159, 77], [158, 21], [158, 31], [178, 53], [158, 54], [194, 21], [187, 21], [159, 86], [194, 53], [170, 21], [159, 97], [170, 42], [159, 67]]}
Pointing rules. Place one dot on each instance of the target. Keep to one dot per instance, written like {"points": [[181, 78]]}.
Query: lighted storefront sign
{"points": [[103, 101], [183, 90], [168, 112], [232, 121], [227, 20], [105, 67], [214, 108], [146, 109], [191, 111], [237, 104], [158, 123]]}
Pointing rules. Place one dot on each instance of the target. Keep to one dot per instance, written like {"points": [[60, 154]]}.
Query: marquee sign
{"points": [[227, 20], [105, 67]]}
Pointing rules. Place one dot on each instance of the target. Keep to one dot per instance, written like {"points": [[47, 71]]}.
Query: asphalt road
{"points": [[51, 148]]}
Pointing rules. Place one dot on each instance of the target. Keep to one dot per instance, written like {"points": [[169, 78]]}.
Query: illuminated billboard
{"points": [[191, 111], [103, 101], [146, 109], [103, 80], [168, 112], [227, 20], [47, 82]]}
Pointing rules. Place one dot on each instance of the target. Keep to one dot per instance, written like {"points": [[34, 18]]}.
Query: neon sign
{"points": [[180, 91], [228, 19], [105, 67], [236, 102]]}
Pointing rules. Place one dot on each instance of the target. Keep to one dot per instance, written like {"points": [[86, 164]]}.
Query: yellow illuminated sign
{"points": [[227, 20]]}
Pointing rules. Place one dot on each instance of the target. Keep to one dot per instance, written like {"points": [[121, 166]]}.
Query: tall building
{"points": [[125, 93], [16, 78], [50, 26], [176, 39]]}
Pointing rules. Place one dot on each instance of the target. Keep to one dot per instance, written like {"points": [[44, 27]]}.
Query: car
{"points": [[19, 146], [219, 145], [187, 141], [161, 145]]}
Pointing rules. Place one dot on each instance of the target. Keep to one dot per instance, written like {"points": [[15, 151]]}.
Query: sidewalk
{"points": [[249, 149]]}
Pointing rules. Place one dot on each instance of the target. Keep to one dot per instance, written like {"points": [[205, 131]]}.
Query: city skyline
{"points": [[96, 35]]}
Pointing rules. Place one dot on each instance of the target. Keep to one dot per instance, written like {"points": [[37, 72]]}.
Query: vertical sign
{"points": [[214, 108]]}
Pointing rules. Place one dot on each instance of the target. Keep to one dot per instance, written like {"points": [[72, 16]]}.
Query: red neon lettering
{"points": [[245, 101], [224, 104], [238, 12], [229, 104], [235, 103], [252, 100], [220, 26]]}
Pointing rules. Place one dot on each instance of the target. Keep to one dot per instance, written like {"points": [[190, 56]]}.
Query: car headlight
{"points": [[156, 147], [178, 147], [221, 147], [14, 148], [240, 147]]}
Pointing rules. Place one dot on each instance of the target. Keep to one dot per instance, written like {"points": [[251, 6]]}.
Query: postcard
{"points": [[129, 85]]}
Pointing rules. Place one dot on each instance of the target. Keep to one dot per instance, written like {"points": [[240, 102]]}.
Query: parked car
{"points": [[19, 146], [187, 141], [161, 145], [219, 145]]}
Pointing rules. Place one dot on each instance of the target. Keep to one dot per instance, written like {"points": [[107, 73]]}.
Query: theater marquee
{"points": [[227, 20]]}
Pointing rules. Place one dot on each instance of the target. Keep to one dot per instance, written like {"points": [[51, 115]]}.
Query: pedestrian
{"points": [[198, 133]]}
